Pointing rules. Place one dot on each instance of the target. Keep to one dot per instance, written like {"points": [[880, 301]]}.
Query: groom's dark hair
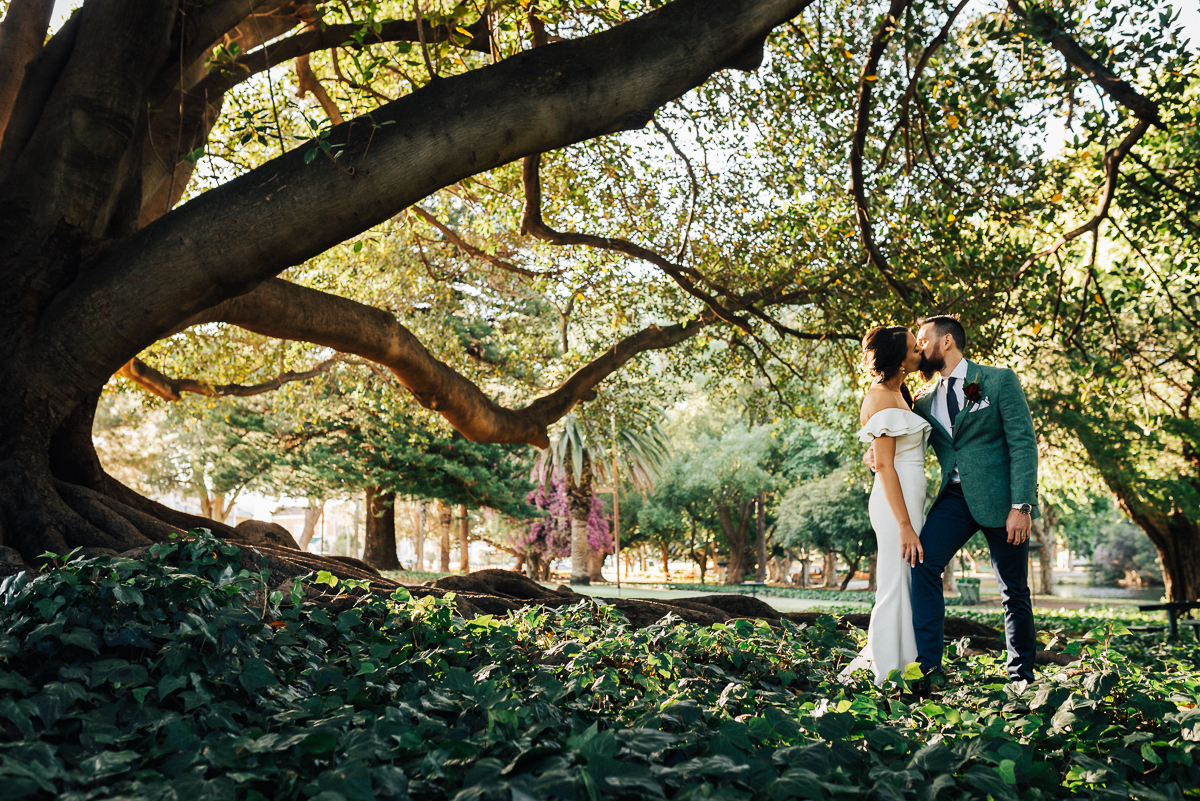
{"points": [[947, 324]]}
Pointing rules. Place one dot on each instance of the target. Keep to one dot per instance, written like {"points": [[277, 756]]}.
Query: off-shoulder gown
{"points": [[891, 643]]}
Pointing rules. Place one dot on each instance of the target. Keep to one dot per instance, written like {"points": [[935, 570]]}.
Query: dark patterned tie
{"points": [[951, 401]]}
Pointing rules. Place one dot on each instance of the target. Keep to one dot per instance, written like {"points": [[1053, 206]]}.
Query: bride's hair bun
{"points": [[884, 350]]}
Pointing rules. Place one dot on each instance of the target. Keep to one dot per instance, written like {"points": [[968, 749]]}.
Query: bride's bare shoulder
{"points": [[877, 399]]}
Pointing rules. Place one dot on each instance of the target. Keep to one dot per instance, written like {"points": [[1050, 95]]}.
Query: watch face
{"points": [[1026, 508]]}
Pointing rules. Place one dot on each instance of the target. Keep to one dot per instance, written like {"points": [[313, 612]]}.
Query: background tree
{"points": [[830, 514], [586, 451]]}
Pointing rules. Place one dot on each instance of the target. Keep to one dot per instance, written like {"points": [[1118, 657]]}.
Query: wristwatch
{"points": [[1023, 508]]}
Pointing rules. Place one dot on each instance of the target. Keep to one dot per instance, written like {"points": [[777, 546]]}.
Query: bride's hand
{"points": [[910, 545]]}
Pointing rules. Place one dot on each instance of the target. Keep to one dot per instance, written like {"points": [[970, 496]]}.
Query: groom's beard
{"points": [[931, 365]]}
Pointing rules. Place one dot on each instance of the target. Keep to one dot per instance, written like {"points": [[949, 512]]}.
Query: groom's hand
{"points": [[1019, 526], [869, 458]]}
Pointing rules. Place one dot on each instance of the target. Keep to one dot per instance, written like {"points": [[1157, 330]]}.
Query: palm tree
{"points": [[583, 453]]}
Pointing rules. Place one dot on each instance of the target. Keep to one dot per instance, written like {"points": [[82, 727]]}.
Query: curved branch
{"points": [[206, 27], [308, 82], [1049, 29], [858, 144], [172, 389], [471, 250], [533, 225], [230, 74], [289, 311], [1112, 171], [687, 228]]}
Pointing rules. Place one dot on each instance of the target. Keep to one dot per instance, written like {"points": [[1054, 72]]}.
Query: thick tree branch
{"points": [[82, 163], [288, 210], [288, 311], [858, 144], [21, 36], [38, 81], [220, 20], [172, 389], [1049, 29]]}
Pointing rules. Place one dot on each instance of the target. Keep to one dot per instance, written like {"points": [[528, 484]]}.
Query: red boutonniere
{"points": [[972, 392]]}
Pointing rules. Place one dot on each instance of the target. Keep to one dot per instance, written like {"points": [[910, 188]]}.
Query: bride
{"points": [[897, 505]]}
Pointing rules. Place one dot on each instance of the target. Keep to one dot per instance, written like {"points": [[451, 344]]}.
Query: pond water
{"points": [[1083, 591]]}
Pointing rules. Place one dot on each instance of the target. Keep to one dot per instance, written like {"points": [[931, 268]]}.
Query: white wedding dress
{"points": [[891, 643]]}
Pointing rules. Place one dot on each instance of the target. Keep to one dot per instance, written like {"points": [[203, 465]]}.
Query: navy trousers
{"points": [[946, 530]]}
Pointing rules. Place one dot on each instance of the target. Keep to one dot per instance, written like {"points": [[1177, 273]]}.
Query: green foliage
{"points": [[829, 514], [175, 677]]}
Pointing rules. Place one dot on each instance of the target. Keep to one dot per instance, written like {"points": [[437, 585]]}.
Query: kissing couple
{"points": [[979, 424]]}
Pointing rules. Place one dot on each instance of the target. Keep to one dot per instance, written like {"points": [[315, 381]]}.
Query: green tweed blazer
{"points": [[993, 445]]}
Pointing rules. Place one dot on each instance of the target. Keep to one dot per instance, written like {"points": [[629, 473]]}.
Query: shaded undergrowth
{"points": [[178, 677]]}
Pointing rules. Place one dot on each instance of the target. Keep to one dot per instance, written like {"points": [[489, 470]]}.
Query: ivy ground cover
{"points": [[178, 677]]}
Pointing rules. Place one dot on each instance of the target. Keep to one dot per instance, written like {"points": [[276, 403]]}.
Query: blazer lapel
{"points": [[924, 407], [974, 375]]}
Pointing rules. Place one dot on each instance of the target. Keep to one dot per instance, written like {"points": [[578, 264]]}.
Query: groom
{"points": [[983, 437]]}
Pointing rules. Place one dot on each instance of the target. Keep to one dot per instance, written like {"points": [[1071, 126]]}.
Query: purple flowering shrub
{"points": [[550, 536]]}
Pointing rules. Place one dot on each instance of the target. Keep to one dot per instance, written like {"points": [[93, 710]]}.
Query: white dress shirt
{"points": [[941, 411]]}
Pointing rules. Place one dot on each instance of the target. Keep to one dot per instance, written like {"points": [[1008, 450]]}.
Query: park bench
{"points": [[754, 585], [1173, 609]]}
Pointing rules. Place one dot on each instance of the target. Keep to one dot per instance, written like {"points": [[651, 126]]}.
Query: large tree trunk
{"points": [[579, 507], [445, 518], [853, 568], [830, 569], [737, 535], [873, 582], [1177, 539], [1043, 530], [379, 550], [312, 515], [596, 566], [464, 541]]}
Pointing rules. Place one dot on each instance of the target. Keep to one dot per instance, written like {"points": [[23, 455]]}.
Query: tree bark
{"points": [[21, 35], [422, 515], [830, 569], [949, 583], [579, 507], [737, 535], [379, 549], [464, 540], [596, 566], [853, 568], [312, 515], [873, 582], [445, 517], [1043, 530]]}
